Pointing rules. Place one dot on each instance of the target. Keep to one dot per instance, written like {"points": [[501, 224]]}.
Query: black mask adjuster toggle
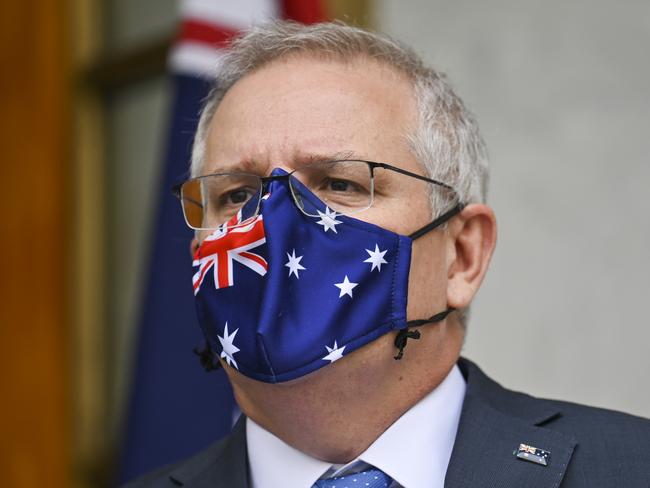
{"points": [[405, 334], [206, 358]]}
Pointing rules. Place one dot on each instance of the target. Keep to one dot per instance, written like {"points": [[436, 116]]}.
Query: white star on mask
{"points": [[334, 353], [229, 349], [294, 264], [328, 219], [346, 287], [376, 258]]}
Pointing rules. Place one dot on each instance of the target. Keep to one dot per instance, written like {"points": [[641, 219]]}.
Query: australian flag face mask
{"points": [[283, 294]]}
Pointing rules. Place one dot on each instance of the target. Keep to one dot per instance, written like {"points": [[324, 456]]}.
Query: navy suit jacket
{"points": [[589, 447]]}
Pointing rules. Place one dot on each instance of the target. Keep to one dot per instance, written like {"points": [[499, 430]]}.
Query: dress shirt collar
{"points": [[414, 451]]}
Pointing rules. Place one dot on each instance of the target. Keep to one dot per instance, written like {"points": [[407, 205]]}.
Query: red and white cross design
{"points": [[224, 246]]}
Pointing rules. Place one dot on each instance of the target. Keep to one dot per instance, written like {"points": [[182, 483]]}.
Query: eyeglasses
{"points": [[346, 187]]}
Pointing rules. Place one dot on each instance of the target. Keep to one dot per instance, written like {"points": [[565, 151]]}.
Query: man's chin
{"points": [[317, 395]]}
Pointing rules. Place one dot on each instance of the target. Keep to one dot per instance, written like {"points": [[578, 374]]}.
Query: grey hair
{"points": [[446, 141]]}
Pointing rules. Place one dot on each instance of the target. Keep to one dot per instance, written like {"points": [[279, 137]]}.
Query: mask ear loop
{"points": [[405, 334], [206, 358]]}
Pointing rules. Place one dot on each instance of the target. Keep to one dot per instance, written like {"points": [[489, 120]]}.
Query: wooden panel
{"points": [[34, 246], [91, 448]]}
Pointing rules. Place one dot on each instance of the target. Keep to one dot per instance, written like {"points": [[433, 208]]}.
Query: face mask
{"points": [[284, 294]]}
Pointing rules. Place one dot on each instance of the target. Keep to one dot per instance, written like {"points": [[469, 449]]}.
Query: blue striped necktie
{"points": [[370, 478]]}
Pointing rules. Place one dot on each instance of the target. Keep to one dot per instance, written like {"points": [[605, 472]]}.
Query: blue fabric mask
{"points": [[285, 294]]}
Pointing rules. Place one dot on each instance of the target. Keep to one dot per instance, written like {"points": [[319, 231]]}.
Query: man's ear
{"points": [[194, 245], [473, 237]]}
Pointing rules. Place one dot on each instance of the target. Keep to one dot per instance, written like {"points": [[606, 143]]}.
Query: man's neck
{"points": [[334, 414], [428, 429]]}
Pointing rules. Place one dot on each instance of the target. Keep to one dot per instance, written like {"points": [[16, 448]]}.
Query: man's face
{"points": [[287, 114], [299, 109]]}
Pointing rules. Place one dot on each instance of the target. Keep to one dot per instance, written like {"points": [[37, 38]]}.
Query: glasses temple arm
{"points": [[438, 221], [408, 173]]}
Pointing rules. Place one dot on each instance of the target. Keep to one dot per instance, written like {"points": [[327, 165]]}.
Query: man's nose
{"points": [[282, 167], [280, 175]]}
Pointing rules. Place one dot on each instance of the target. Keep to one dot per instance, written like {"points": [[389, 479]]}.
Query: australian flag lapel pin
{"points": [[533, 454]]}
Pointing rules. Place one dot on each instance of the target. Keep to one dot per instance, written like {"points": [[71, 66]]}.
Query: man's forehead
{"points": [[301, 109], [330, 68]]}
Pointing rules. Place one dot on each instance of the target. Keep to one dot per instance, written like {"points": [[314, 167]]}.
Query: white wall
{"points": [[561, 90]]}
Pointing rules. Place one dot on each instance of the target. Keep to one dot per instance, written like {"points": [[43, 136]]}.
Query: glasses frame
{"points": [[265, 180]]}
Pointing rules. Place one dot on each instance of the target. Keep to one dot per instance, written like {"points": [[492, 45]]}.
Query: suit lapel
{"points": [[224, 466], [493, 423]]}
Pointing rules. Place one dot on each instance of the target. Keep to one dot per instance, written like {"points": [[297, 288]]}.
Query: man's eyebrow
{"points": [[243, 166], [302, 159]]}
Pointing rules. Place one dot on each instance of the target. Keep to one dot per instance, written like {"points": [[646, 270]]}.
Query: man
{"points": [[341, 233]]}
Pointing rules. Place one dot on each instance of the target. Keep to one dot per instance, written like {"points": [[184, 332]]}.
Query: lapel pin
{"points": [[533, 454]]}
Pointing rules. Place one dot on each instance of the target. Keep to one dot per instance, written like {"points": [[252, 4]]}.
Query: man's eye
{"points": [[239, 196], [236, 197], [340, 186]]}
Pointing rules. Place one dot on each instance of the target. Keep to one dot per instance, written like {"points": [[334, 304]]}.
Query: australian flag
{"points": [[287, 291], [175, 408]]}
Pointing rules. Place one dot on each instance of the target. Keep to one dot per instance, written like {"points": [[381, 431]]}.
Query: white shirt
{"points": [[414, 451]]}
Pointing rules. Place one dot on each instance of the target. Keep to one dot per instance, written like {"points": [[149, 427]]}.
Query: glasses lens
{"points": [[344, 186], [214, 200]]}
